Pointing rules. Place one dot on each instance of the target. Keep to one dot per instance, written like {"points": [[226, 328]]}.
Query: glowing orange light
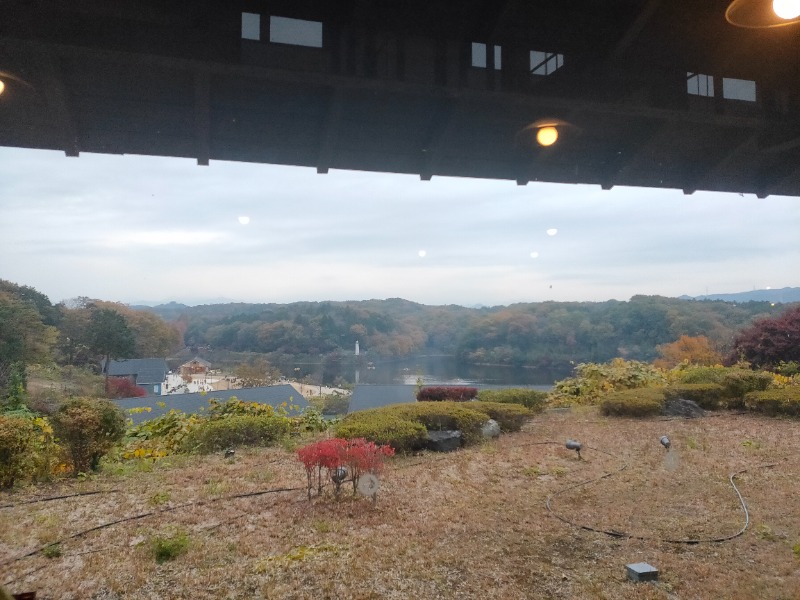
{"points": [[2, 86], [547, 136]]}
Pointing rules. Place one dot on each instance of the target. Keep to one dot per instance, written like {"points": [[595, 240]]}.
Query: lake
{"points": [[433, 370]]}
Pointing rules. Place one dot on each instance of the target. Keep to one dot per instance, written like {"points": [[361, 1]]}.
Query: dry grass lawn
{"points": [[471, 524]]}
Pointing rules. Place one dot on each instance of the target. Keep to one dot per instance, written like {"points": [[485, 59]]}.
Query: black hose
{"points": [[623, 534]]}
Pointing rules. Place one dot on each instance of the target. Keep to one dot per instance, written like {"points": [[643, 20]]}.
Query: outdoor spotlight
{"points": [[229, 453], [665, 441], [574, 445], [762, 14], [338, 475]]}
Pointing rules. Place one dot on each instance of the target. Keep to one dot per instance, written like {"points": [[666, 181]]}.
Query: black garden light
{"points": [[575, 445], [665, 442]]}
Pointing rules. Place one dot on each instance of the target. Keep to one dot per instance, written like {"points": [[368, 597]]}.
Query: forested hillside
{"points": [[537, 334]]}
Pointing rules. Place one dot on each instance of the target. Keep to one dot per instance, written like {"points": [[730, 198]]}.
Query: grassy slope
{"points": [[471, 524]]}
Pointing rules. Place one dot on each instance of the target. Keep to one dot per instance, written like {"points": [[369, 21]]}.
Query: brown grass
{"points": [[471, 524]]}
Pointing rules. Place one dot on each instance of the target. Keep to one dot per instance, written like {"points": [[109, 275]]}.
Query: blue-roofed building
{"points": [[147, 373], [274, 395]]}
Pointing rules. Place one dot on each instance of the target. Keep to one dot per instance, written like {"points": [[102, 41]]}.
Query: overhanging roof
{"points": [[661, 94]]}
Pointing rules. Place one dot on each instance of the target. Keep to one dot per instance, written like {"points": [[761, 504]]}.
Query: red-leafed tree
{"points": [[122, 387], [767, 342]]}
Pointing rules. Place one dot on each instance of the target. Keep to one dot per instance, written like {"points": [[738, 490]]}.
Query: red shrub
{"points": [[447, 393], [122, 387], [358, 455]]}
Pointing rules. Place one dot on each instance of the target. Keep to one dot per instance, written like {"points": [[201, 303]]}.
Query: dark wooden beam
{"points": [[330, 130], [202, 116]]}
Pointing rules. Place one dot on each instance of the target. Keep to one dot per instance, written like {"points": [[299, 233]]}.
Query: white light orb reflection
{"points": [[244, 220], [422, 253], [552, 231]]}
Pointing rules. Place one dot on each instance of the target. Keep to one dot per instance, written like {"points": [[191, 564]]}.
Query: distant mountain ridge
{"points": [[782, 296]]}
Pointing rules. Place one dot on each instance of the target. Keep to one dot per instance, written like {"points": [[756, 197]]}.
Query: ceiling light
{"points": [[759, 14], [2, 86], [547, 136]]}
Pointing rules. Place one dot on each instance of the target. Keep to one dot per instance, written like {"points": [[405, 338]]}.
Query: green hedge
{"points": [[736, 382], [642, 402], [784, 401], [241, 430], [740, 382], [510, 417], [707, 395], [377, 426], [403, 426], [533, 399]]}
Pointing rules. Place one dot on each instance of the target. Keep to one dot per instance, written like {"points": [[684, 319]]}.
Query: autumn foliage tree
{"points": [[768, 342], [696, 350]]}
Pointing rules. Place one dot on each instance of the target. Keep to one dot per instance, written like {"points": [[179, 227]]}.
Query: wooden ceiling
{"points": [[652, 93]]}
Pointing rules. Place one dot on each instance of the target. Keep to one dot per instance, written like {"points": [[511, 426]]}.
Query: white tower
{"points": [[357, 351]]}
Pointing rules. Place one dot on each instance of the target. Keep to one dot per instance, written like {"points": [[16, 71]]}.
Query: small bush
{"points": [[739, 382], [89, 428], [533, 399], [242, 430], [783, 401], [376, 425], [510, 417], [706, 395], [169, 547], [641, 402], [122, 387], [335, 404], [16, 442], [447, 394]]}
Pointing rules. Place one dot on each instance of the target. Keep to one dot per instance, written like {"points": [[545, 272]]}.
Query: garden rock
{"points": [[683, 407], [444, 441], [490, 429]]}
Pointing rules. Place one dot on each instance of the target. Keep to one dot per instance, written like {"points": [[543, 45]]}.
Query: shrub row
{"points": [[239, 430], [532, 399], [447, 394], [783, 401], [404, 426], [735, 382], [641, 402], [708, 396]]}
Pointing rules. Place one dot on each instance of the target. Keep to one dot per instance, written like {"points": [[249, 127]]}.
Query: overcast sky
{"points": [[132, 228]]}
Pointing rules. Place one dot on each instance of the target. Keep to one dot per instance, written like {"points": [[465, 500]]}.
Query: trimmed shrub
{"points": [[89, 427], [533, 399], [16, 444], [641, 402], [404, 426], [783, 401], [447, 394], [376, 425], [437, 416], [707, 395], [510, 417], [739, 382], [241, 430]]}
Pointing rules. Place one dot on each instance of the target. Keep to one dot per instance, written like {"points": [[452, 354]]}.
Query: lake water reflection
{"points": [[432, 370]]}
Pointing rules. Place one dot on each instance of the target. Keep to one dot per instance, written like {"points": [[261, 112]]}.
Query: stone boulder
{"points": [[444, 441], [490, 429], [683, 407]]}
